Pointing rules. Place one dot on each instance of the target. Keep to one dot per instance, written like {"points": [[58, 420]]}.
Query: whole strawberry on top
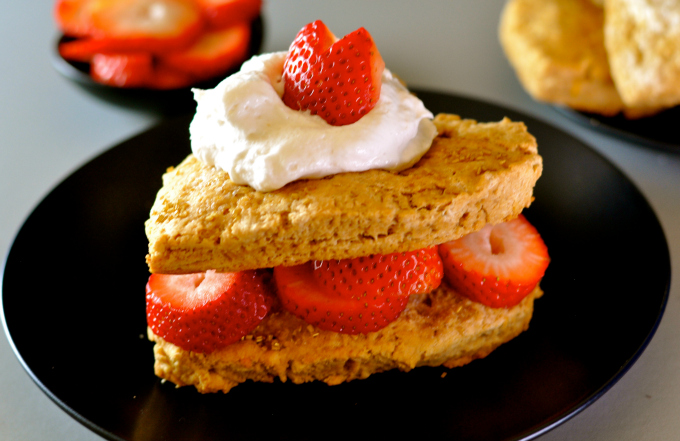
{"points": [[324, 107], [339, 80]]}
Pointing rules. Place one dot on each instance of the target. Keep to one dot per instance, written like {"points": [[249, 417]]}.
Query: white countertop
{"points": [[49, 128]]}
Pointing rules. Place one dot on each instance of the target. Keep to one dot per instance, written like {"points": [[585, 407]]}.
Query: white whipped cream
{"points": [[243, 127]]}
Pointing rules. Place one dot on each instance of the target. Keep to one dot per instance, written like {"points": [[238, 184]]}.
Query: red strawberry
{"points": [[122, 70], [222, 14], [166, 78], [80, 49], [73, 17], [361, 295], [154, 26], [497, 265], [404, 274], [338, 80], [203, 312], [214, 53]]}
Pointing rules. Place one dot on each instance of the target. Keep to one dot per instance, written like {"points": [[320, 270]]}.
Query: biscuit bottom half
{"points": [[439, 328]]}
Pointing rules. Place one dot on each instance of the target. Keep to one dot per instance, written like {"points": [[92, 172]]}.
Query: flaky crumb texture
{"points": [[440, 328], [474, 173]]}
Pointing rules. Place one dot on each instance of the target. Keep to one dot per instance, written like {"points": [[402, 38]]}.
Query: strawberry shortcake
{"points": [[327, 227]]}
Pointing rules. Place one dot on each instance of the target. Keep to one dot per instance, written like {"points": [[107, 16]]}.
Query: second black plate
{"points": [[74, 310], [171, 102], [657, 131]]}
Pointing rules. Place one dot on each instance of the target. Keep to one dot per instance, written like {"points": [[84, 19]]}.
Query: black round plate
{"points": [[657, 131], [171, 102], [74, 310]]}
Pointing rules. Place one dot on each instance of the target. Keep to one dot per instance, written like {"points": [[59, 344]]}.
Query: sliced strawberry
{"points": [[222, 14], [301, 295], [122, 70], [497, 265], [339, 82], [135, 69], [206, 311], [311, 42], [145, 25], [80, 49], [214, 53], [166, 78], [403, 274], [355, 296], [74, 17]]}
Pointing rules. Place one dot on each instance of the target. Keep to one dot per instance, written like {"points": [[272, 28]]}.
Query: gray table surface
{"points": [[49, 128]]}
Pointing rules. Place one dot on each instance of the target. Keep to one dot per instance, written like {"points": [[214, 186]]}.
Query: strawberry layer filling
{"points": [[497, 266], [339, 80]]}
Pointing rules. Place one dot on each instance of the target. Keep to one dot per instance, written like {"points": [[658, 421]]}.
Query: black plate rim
{"points": [[530, 434], [567, 415], [56, 400], [601, 124]]}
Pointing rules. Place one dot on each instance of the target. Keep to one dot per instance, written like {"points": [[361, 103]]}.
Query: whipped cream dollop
{"points": [[243, 127]]}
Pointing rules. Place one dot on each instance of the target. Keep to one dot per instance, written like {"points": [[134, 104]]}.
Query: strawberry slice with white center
{"points": [[498, 265], [155, 26], [203, 312], [360, 295], [122, 70], [339, 80], [214, 53]]}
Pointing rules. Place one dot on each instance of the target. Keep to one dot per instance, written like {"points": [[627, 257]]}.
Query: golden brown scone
{"points": [[440, 328], [642, 38], [557, 50], [474, 173]]}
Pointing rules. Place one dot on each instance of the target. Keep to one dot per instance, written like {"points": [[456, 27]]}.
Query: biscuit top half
{"points": [[473, 174]]}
